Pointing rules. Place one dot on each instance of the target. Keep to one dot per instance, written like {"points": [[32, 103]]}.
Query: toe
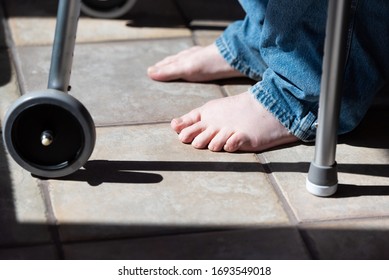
{"points": [[169, 72], [172, 67], [202, 140], [166, 60], [219, 140], [178, 124], [237, 142], [188, 134]]}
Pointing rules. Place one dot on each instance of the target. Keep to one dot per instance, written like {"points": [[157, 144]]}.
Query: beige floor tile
{"points": [[111, 81], [206, 32], [34, 23], [205, 38], [29, 31], [98, 30], [141, 180], [251, 244], [32, 31], [237, 86]]}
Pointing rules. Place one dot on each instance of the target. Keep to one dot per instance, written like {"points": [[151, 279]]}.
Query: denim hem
{"points": [[303, 128], [222, 45]]}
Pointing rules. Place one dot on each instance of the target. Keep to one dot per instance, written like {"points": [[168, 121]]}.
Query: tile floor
{"points": [[143, 194]]}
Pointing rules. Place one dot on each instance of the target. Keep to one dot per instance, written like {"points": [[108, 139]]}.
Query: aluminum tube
{"points": [[331, 83], [64, 42]]}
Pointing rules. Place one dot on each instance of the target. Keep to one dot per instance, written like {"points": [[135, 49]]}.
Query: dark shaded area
{"points": [[201, 243], [147, 13], [373, 132], [5, 63], [347, 244], [144, 15]]}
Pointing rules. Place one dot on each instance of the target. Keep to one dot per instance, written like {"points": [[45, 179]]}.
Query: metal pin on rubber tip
{"points": [[47, 138]]}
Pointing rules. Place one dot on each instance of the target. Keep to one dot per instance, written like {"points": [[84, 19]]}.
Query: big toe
{"points": [[178, 124], [163, 73]]}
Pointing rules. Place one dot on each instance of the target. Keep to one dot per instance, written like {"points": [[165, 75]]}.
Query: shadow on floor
{"points": [[190, 11], [97, 172], [5, 66], [146, 13], [174, 242]]}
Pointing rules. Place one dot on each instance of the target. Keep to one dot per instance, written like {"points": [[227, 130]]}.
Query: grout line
{"points": [[110, 41], [128, 124], [286, 206], [289, 211], [51, 219], [129, 40], [354, 219], [223, 91]]}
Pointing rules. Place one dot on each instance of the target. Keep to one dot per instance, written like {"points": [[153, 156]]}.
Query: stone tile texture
{"points": [[110, 80]]}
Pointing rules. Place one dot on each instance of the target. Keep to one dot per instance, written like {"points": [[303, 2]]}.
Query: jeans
{"points": [[280, 43]]}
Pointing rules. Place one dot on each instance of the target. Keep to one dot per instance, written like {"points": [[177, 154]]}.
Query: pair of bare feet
{"points": [[236, 123]]}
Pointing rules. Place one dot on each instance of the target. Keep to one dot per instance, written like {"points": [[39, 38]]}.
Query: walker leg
{"points": [[64, 43], [50, 133], [322, 176]]}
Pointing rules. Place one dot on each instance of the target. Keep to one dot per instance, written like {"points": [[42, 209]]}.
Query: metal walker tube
{"points": [[322, 177], [64, 43]]}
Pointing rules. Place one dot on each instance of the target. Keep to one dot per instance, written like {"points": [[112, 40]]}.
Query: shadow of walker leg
{"points": [[322, 176]]}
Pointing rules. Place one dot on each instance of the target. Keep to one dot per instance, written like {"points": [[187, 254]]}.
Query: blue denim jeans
{"points": [[280, 44]]}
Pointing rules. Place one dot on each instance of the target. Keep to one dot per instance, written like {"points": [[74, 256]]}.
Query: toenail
{"points": [[196, 144], [183, 139], [152, 70], [229, 147]]}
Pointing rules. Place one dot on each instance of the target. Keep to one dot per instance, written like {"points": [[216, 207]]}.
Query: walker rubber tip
{"points": [[321, 191]]}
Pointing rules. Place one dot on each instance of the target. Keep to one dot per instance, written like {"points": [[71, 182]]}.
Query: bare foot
{"points": [[236, 123], [197, 64]]}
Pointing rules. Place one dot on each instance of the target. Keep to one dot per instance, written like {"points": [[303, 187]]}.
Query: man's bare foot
{"points": [[236, 123], [197, 64]]}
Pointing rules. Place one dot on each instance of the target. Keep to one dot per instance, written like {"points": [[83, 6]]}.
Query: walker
{"points": [[48, 132], [51, 134]]}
